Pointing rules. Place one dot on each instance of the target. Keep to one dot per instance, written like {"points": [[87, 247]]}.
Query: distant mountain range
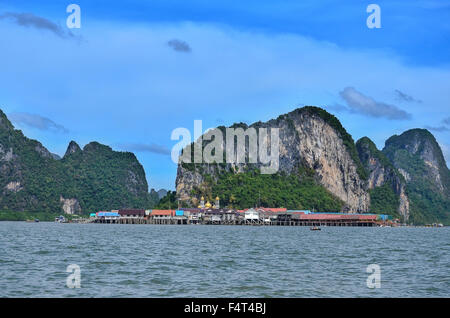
{"points": [[85, 180], [322, 168], [162, 193]]}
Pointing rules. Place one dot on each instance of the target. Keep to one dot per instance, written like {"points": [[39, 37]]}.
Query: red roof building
{"points": [[159, 213], [275, 210], [323, 216], [132, 213]]}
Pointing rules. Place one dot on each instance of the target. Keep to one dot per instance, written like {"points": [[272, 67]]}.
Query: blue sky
{"points": [[136, 70]]}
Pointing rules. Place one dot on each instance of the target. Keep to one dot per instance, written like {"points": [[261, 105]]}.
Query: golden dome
{"points": [[208, 205], [217, 198], [202, 198]]}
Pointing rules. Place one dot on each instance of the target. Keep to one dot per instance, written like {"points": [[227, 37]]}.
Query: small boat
{"points": [[314, 228], [36, 220], [60, 219]]}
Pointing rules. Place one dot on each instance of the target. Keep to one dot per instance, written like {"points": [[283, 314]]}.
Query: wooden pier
{"points": [[249, 217], [274, 222]]}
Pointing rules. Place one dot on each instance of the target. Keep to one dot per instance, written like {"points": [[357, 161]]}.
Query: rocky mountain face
{"points": [[419, 145], [155, 196], [408, 179], [383, 178], [84, 180], [72, 148], [418, 157], [161, 193], [310, 138]]}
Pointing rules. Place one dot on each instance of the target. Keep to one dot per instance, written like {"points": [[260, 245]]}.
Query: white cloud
{"points": [[142, 147], [36, 121], [403, 97], [30, 20], [179, 46], [438, 129], [366, 105]]}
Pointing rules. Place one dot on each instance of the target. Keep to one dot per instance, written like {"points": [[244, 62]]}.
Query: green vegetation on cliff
{"points": [[251, 188], [383, 200], [428, 204], [169, 201], [366, 148], [408, 150], [104, 179]]}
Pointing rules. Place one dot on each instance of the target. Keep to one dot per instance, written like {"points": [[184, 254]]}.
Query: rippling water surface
{"points": [[221, 261]]}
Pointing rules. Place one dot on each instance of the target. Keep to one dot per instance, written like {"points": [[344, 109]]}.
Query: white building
{"points": [[251, 215]]}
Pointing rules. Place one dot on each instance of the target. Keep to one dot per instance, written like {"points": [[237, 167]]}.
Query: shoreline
{"points": [[228, 225]]}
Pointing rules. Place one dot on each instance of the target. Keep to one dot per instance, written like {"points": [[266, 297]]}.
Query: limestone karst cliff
{"points": [[383, 178], [418, 158], [309, 138], [84, 180], [408, 179]]}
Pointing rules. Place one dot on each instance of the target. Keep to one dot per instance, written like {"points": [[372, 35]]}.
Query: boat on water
{"points": [[60, 219], [36, 220], [315, 228]]}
